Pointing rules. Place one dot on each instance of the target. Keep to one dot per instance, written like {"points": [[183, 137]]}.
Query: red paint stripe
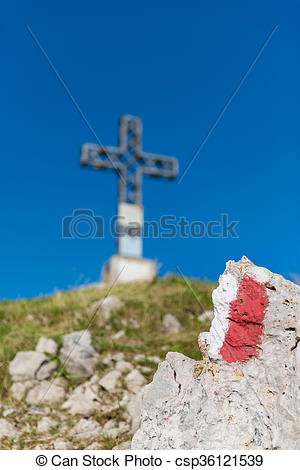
{"points": [[246, 316]]}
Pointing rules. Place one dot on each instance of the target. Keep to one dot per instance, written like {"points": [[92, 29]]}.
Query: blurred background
{"points": [[175, 65]]}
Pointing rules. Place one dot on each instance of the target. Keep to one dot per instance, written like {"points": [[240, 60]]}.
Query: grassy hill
{"points": [[23, 322]]}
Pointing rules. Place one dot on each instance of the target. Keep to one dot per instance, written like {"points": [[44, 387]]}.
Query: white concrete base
{"points": [[120, 269]]}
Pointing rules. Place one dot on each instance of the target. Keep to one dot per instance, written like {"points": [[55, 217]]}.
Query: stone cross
{"points": [[130, 163]]}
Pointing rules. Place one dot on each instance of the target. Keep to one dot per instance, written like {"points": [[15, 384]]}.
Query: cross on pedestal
{"points": [[130, 163]]}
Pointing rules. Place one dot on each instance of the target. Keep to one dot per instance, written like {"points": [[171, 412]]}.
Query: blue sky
{"points": [[174, 64]]}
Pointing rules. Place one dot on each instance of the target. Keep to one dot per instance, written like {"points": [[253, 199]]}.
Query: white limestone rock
{"points": [[84, 400], [78, 354], [171, 324], [25, 365], [113, 429], [244, 394], [46, 345], [19, 389], [46, 370], [7, 430], [45, 392], [61, 444], [134, 381], [110, 380], [45, 424], [86, 429]]}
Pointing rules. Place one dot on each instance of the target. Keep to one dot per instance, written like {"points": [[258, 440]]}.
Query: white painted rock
{"points": [[46, 345], [26, 364], [171, 324], [78, 354], [245, 393]]}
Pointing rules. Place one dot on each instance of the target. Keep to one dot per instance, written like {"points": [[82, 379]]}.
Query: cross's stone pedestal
{"points": [[130, 163], [125, 269]]}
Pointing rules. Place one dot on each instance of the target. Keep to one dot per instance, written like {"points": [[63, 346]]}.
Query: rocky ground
{"points": [[73, 365]]}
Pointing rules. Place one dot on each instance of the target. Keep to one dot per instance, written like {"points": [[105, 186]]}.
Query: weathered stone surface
{"points": [[244, 394], [83, 400], [171, 324], [110, 380], [78, 354], [26, 364], [112, 429], [61, 444], [133, 405], [86, 429], [134, 381], [123, 366], [45, 392], [45, 424], [19, 389], [123, 446], [46, 345], [7, 429], [46, 370]]}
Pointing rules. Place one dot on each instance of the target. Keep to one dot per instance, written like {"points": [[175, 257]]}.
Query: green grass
{"points": [[23, 322]]}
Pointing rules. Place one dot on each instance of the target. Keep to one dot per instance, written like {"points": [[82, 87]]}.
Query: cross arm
{"points": [[99, 156], [159, 166]]}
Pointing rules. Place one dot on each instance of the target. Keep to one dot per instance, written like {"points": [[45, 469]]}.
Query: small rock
{"points": [[107, 360], [155, 359], [19, 389], [94, 446], [145, 369], [118, 357], [134, 381], [7, 429], [45, 392], [45, 424], [123, 366], [110, 380], [118, 335], [86, 429], [207, 315], [83, 400], [46, 370], [123, 446], [26, 364], [103, 308], [112, 429], [46, 345], [9, 411], [78, 354], [62, 444], [171, 324], [60, 382]]}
